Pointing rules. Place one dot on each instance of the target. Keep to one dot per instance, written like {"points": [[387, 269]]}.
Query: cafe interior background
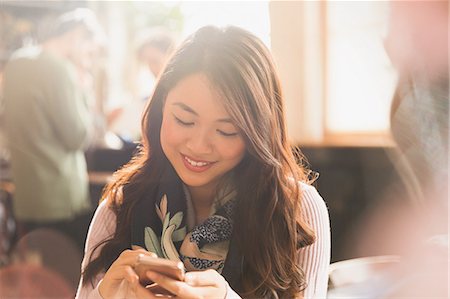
{"points": [[338, 80]]}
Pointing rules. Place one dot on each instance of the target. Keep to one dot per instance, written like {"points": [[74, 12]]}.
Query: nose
{"points": [[200, 143]]}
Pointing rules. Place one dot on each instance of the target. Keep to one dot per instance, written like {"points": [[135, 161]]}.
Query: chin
{"points": [[194, 183]]}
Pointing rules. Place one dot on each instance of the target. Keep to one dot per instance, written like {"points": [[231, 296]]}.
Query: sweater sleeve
{"points": [[315, 259], [102, 227]]}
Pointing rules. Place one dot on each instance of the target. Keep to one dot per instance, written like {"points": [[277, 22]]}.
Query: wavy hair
{"points": [[241, 69]]}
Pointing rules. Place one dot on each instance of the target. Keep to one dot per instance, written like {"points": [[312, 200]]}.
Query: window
{"points": [[124, 21], [360, 79], [251, 15], [337, 78]]}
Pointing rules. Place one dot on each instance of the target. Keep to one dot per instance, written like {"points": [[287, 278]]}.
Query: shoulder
{"points": [[103, 224], [22, 59], [307, 187], [315, 259], [310, 195], [38, 63], [104, 213], [26, 53], [313, 206]]}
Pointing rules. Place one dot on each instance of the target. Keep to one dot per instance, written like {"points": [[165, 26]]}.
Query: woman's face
{"points": [[197, 134]]}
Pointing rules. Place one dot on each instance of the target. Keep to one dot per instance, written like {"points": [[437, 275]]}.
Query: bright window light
{"points": [[250, 15], [360, 77]]}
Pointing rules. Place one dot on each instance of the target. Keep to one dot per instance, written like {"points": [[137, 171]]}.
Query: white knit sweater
{"points": [[313, 259]]}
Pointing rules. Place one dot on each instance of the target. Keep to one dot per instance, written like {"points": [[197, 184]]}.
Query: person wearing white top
{"points": [[213, 186]]}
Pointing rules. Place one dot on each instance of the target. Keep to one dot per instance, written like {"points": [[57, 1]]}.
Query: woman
{"points": [[214, 186]]}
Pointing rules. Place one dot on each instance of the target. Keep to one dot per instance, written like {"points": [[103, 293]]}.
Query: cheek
{"points": [[234, 150], [170, 135]]}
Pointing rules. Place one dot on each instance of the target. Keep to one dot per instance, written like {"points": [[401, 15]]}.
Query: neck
{"points": [[202, 200], [201, 197]]}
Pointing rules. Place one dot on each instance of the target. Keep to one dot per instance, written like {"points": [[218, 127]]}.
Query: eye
{"points": [[183, 123], [227, 134]]}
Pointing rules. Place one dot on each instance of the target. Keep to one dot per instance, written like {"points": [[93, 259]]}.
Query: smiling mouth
{"points": [[195, 163]]}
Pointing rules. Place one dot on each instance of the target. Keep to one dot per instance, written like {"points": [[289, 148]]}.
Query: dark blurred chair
{"points": [[7, 221], [52, 250], [110, 160], [102, 163], [32, 281]]}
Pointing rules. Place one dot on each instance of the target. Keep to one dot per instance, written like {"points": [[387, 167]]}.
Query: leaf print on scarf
{"points": [[172, 233], [161, 211], [167, 245], [179, 233], [176, 220], [152, 242], [162, 225]]}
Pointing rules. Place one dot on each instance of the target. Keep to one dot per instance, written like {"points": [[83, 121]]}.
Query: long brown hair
{"points": [[241, 68]]}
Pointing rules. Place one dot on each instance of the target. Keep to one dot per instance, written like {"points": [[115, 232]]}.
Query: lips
{"points": [[196, 165]]}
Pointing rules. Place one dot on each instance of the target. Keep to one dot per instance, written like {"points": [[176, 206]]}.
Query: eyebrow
{"points": [[190, 110]]}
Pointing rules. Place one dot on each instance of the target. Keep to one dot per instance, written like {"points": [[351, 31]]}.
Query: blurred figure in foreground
{"points": [[48, 125], [418, 46], [415, 225]]}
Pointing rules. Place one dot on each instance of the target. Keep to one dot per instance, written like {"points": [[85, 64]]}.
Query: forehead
{"points": [[197, 92]]}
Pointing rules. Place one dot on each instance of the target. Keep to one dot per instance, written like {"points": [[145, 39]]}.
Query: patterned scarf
{"points": [[167, 227]]}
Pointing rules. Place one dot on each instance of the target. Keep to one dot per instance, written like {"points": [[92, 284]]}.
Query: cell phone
{"points": [[162, 266]]}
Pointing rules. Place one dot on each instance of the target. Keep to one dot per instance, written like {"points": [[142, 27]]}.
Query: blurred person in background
{"points": [[48, 126], [153, 48]]}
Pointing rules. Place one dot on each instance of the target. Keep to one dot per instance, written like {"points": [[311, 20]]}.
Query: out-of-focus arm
{"points": [[315, 259], [102, 227]]}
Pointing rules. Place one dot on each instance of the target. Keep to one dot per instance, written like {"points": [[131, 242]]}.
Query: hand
{"points": [[197, 284], [123, 270]]}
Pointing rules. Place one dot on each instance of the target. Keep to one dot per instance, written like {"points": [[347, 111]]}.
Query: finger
{"points": [[122, 272], [204, 278], [128, 257], [131, 276], [134, 252], [114, 277], [203, 292], [157, 290], [131, 257], [178, 288], [142, 292], [136, 247], [142, 250]]}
